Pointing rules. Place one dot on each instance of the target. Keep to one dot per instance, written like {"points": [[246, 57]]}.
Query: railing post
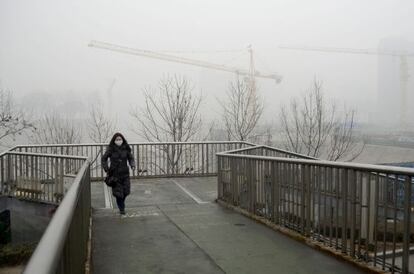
{"points": [[353, 178], [275, 191], [100, 160], [249, 184], [407, 224], [2, 175], [303, 198], [168, 160], [207, 159], [344, 184], [9, 174], [232, 179], [308, 198], [365, 208], [219, 178]]}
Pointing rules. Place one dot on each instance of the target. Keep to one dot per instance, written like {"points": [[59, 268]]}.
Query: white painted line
{"points": [[189, 193], [137, 215], [108, 198], [147, 191]]}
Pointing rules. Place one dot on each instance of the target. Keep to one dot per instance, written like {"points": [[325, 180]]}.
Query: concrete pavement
{"points": [[173, 226]]}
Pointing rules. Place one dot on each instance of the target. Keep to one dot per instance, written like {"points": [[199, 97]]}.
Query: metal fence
{"points": [[61, 180], [167, 159], [38, 177], [362, 210], [267, 151], [36, 172], [63, 247]]}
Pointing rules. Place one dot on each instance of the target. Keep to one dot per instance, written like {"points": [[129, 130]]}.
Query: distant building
{"points": [[394, 79]]}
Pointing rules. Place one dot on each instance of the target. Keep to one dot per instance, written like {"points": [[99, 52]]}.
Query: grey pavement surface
{"points": [[173, 226], [97, 195]]}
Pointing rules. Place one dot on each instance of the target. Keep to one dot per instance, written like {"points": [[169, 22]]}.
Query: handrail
{"points": [[132, 143], [362, 210], [362, 167], [240, 149], [299, 155], [45, 258], [268, 148], [62, 246], [62, 156], [158, 159]]}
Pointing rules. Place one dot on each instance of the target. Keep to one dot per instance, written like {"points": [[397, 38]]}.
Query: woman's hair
{"points": [[125, 143]]}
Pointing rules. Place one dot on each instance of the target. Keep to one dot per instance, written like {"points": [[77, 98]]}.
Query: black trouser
{"points": [[120, 202], [121, 190]]}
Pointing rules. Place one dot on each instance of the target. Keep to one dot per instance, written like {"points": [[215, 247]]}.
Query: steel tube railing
{"points": [[56, 179], [38, 177], [63, 247], [362, 210], [61, 174], [163, 159], [263, 150]]}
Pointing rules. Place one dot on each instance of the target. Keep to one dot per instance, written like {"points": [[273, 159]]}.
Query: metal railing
{"points": [[167, 159], [63, 247], [36, 172], [264, 150], [362, 210], [61, 180], [38, 177]]}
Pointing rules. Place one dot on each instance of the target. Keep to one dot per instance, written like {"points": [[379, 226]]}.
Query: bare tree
{"points": [[12, 121], [242, 110], [52, 128], [342, 142], [100, 127], [313, 126], [169, 115]]}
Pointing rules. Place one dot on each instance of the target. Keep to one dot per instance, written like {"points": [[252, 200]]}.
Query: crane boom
{"points": [[177, 59], [351, 51]]}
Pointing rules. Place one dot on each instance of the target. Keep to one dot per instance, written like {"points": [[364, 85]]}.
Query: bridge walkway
{"points": [[172, 225]]}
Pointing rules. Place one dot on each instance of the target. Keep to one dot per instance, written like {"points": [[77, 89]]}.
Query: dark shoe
{"points": [[122, 211]]}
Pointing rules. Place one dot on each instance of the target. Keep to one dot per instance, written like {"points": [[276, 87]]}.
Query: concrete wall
{"points": [[28, 219]]}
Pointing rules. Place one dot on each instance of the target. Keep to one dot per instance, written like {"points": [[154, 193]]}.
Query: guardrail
{"points": [[38, 173], [61, 174], [38, 177], [166, 159], [364, 211], [264, 150], [63, 247], [61, 180]]}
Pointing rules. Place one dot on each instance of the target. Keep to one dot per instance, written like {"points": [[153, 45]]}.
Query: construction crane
{"points": [[251, 73], [402, 55], [109, 94]]}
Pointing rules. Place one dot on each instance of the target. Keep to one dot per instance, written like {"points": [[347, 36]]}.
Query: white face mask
{"points": [[119, 142]]}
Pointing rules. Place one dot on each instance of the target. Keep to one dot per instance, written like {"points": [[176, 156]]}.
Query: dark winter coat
{"points": [[119, 158]]}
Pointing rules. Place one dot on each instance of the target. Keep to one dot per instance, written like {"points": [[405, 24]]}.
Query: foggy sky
{"points": [[44, 53]]}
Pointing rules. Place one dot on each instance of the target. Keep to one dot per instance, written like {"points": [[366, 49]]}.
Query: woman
{"points": [[119, 153]]}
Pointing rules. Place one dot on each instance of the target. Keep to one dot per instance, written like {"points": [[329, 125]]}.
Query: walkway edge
{"points": [[108, 198], [88, 263], [300, 238]]}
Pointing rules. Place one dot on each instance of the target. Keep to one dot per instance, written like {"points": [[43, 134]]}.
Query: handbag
{"points": [[111, 181]]}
